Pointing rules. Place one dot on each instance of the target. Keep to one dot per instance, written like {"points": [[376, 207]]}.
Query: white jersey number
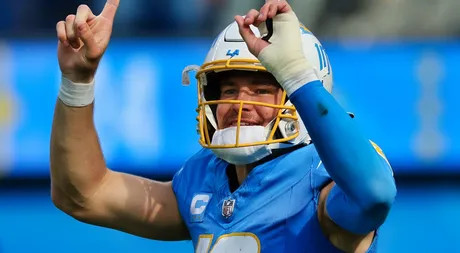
{"points": [[234, 242]]}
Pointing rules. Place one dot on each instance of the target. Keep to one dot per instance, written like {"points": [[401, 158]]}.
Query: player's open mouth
{"points": [[235, 123]]}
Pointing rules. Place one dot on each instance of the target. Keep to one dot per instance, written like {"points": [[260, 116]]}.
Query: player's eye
{"points": [[263, 91], [229, 91]]}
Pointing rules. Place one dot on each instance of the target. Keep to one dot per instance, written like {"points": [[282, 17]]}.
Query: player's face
{"points": [[248, 86]]}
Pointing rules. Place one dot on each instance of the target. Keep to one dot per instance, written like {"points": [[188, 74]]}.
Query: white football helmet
{"points": [[229, 52]]}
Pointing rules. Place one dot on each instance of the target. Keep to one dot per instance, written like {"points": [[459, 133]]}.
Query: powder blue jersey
{"points": [[273, 210]]}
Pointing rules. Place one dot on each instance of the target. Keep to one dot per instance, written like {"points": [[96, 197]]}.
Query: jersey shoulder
{"points": [[193, 184], [196, 167]]}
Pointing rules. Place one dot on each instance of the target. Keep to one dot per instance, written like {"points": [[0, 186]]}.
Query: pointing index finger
{"points": [[110, 9]]}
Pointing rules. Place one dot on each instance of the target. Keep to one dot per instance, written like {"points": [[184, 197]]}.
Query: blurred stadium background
{"points": [[396, 66]]}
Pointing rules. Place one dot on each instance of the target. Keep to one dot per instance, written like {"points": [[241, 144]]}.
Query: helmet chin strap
{"points": [[267, 130], [210, 116]]}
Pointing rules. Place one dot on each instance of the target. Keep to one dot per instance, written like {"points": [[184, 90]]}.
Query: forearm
{"points": [[347, 154], [363, 177], [76, 160]]}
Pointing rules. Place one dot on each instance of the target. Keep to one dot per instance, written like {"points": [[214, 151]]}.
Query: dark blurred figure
{"points": [[21, 18], [6, 17], [335, 11], [141, 17]]}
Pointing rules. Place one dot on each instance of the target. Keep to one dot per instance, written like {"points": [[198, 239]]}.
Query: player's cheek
{"points": [[221, 110], [266, 113], [269, 113]]}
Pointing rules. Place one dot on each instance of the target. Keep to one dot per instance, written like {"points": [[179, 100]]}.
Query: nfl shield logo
{"points": [[228, 207]]}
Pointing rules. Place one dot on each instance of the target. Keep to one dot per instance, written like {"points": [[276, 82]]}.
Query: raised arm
{"points": [[363, 189], [82, 185]]}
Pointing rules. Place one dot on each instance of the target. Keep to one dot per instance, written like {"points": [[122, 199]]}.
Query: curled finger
{"points": [[61, 34], [251, 16], [70, 32], [262, 14], [82, 29], [246, 33], [273, 10], [84, 14]]}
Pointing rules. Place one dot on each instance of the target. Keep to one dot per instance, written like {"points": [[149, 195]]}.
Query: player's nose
{"points": [[243, 96]]}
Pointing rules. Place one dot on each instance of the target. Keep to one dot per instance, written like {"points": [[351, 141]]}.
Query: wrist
{"points": [[80, 78], [296, 80], [76, 94], [293, 69]]}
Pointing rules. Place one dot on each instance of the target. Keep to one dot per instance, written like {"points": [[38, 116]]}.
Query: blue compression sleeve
{"points": [[365, 188]]}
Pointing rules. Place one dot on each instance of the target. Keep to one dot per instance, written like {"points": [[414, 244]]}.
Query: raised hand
{"points": [[281, 54], [269, 10], [83, 39]]}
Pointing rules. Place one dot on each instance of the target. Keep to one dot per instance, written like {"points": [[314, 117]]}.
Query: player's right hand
{"points": [[83, 39]]}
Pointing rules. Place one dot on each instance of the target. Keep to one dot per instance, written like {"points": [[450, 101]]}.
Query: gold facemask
{"points": [[286, 112]]}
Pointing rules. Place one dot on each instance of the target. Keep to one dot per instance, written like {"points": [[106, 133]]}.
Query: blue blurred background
{"points": [[396, 66]]}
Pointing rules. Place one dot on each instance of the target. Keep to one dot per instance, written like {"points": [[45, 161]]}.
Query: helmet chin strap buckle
{"points": [[269, 23], [185, 74]]}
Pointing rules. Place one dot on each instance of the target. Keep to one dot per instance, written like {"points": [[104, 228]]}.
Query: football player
{"points": [[284, 168]]}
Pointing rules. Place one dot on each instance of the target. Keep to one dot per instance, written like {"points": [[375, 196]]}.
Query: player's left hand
{"points": [[270, 9], [283, 54]]}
